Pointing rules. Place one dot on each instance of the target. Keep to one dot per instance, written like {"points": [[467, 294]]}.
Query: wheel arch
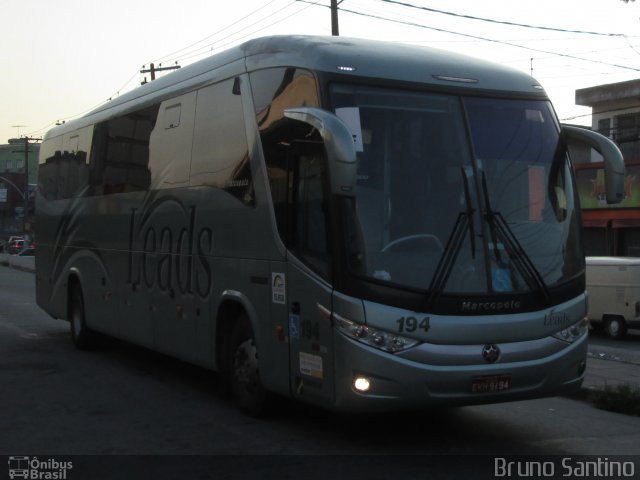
{"points": [[232, 306]]}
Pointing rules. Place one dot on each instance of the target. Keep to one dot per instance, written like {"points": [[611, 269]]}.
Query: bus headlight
{"points": [[387, 341], [574, 332]]}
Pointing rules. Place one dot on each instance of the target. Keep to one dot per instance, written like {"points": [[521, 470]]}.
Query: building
{"points": [[611, 229], [12, 186]]}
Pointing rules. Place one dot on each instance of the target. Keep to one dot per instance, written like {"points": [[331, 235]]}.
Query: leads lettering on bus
{"points": [[170, 257]]}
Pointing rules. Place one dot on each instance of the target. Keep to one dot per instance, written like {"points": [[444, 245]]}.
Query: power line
{"points": [[219, 31], [467, 35], [219, 44], [500, 22], [632, 47], [71, 117], [231, 42]]}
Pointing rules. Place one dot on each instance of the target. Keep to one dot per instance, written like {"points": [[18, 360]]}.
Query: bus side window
{"points": [[63, 170], [171, 142], [120, 153], [220, 155]]}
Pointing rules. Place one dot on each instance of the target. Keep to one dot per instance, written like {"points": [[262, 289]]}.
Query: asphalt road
{"points": [[626, 349], [123, 400]]}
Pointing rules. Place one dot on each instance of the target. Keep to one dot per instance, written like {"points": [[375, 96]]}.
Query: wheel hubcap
{"points": [[614, 328], [246, 366]]}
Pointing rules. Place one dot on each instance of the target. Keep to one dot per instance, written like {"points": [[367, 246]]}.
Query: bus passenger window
{"points": [[120, 155], [276, 89], [220, 155]]}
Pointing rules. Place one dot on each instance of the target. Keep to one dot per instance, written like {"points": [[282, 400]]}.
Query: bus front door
{"points": [[310, 337], [309, 293]]}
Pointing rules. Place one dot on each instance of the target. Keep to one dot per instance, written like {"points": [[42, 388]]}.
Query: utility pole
{"points": [[25, 141], [153, 69], [334, 18]]}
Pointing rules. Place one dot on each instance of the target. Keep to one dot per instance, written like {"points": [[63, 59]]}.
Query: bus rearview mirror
{"points": [[339, 146]]}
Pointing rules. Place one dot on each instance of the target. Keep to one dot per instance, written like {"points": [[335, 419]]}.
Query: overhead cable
{"points": [[170, 55], [467, 35], [501, 22], [217, 45]]}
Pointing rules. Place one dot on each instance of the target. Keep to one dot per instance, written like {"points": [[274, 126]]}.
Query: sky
{"points": [[62, 58]]}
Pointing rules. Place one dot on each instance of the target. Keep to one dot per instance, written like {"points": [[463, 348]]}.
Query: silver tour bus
{"points": [[355, 224]]}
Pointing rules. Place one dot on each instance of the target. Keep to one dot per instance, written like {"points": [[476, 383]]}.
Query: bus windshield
{"points": [[462, 195]]}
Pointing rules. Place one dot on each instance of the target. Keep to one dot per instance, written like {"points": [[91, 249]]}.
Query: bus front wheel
{"points": [[246, 386]]}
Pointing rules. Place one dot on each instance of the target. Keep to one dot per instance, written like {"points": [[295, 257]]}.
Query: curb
{"points": [[7, 262]]}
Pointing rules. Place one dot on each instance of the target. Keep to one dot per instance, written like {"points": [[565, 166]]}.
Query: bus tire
{"points": [[244, 375], [615, 327], [80, 334]]}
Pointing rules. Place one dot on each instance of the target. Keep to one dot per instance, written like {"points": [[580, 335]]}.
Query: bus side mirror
{"points": [[613, 160], [339, 145]]}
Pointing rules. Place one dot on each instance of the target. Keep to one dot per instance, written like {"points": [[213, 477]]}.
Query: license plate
{"points": [[491, 384]]}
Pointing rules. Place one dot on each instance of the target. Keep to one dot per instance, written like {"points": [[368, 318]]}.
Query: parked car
{"points": [[613, 286], [15, 246], [29, 251]]}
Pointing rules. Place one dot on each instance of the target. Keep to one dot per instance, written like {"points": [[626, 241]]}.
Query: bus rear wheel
{"points": [[80, 333], [246, 386]]}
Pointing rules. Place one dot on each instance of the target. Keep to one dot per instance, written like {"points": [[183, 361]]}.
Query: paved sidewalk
{"points": [[20, 263], [603, 371]]}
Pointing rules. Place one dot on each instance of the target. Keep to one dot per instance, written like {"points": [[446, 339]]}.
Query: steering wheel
{"points": [[412, 241]]}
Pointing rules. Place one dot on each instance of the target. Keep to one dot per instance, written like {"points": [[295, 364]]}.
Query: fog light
{"points": [[361, 384]]}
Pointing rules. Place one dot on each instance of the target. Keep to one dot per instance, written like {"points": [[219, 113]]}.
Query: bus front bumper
{"points": [[396, 383]]}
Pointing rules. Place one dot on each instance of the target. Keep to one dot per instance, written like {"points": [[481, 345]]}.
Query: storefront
{"points": [[609, 229]]}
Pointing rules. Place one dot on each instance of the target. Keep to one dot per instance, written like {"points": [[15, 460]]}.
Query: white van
{"points": [[613, 285]]}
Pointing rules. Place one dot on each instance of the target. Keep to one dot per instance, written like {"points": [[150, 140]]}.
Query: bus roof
{"points": [[340, 55], [387, 60]]}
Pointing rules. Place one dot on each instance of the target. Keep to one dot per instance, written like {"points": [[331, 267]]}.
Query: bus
{"points": [[18, 467], [358, 225]]}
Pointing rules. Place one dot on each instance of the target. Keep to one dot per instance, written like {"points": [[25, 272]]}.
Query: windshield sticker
{"points": [[311, 365], [382, 275], [278, 287], [501, 279], [351, 117]]}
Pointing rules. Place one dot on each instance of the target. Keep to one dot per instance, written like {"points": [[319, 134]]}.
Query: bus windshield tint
{"points": [[460, 195]]}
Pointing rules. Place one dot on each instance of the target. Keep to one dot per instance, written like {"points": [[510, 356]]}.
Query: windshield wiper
{"points": [[464, 223], [502, 235]]}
